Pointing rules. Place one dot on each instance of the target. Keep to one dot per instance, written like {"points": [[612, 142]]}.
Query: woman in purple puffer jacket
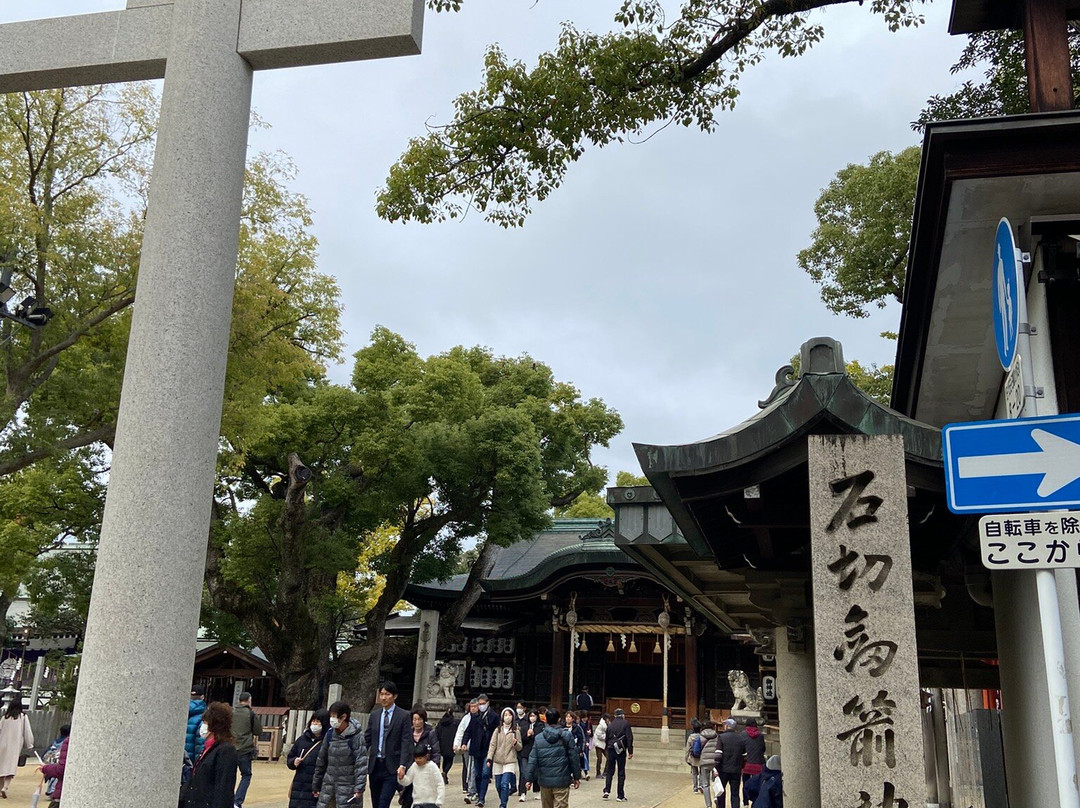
{"points": [[51, 770]]}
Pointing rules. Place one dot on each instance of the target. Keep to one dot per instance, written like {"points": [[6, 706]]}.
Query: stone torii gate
{"points": [[126, 746]]}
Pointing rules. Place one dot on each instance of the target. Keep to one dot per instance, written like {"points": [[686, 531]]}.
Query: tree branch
{"points": [[104, 434], [454, 616], [117, 305], [740, 29]]}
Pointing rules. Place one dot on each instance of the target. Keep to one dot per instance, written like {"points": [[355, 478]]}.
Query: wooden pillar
{"points": [[691, 677], [558, 661], [665, 732], [1046, 44], [570, 688]]}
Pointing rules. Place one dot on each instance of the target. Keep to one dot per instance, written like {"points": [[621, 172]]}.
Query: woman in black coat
{"points": [[530, 727], [302, 758], [422, 733], [445, 729], [214, 778]]}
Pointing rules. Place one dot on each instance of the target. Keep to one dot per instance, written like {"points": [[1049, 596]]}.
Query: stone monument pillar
{"points": [[426, 643], [868, 702]]}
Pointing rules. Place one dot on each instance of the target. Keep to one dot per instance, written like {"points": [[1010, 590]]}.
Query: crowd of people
{"points": [[516, 750], [336, 759], [220, 742], [538, 750], [400, 754], [730, 760]]}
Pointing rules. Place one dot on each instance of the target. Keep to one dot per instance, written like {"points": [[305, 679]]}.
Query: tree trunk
{"points": [[359, 674], [304, 670], [450, 624], [5, 603], [295, 640]]}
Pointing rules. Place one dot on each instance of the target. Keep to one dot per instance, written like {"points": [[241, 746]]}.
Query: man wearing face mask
{"points": [[302, 758], [341, 771], [477, 738]]}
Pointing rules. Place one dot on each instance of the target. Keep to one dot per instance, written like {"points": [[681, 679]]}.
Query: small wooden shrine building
{"points": [[568, 609]]}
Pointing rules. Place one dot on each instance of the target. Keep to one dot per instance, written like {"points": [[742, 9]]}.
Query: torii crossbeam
{"points": [[126, 747]]}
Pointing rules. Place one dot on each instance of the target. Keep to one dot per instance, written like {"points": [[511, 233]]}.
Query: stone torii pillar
{"points": [[144, 614]]}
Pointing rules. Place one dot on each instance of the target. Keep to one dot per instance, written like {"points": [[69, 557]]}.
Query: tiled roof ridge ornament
{"points": [[819, 356], [785, 378], [605, 529]]}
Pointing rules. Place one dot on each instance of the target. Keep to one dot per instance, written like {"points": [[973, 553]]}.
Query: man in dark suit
{"points": [[386, 735], [476, 740]]}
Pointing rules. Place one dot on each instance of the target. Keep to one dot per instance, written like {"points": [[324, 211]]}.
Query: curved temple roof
{"points": [[529, 567], [742, 495]]}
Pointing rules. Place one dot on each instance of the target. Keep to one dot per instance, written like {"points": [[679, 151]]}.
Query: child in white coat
{"points": [[425, 778]]}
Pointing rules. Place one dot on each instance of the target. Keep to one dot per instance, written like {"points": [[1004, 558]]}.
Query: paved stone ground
{"points": [[270, 789]]}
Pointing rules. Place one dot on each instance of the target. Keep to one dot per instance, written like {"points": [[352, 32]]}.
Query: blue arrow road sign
{"points": [[1007, 286], [1023, 464]]}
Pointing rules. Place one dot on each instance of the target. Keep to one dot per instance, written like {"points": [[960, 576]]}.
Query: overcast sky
{"points": [[662, 276]]}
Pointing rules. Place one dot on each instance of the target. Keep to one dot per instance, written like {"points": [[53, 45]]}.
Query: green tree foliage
{"points": [[1004, 88], [625, 479], [466, 560], [593, 504], [429, 451], [75, 169], [512, 140], [42, 507], [64, 156], [873, 380], [59, 586], [858, 252], [590, 505]]}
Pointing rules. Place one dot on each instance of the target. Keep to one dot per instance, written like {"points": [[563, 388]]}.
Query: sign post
{"points": [[1025, 464]]}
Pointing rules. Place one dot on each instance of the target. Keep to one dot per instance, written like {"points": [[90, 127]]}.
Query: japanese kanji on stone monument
{"points": [[144, 614], [869, 730]]}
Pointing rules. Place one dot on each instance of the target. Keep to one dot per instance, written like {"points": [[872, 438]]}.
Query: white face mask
{"points": [[508, 719], [520, 713], [316, 729], [203, 730], [335, 722], [483, 707]]}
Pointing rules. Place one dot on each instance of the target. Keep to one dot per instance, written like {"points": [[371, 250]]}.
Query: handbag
{"points": [[619, 746], [22, 761]]}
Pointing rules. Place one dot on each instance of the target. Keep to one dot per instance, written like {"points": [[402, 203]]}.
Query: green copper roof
{"points": [[569, 545], [823, 400], [702, 482]]}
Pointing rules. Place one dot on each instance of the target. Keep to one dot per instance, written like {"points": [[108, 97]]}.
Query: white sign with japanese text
{"points": [[1030, 541]]}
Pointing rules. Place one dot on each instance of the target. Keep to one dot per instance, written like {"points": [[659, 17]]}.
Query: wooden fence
{"points": [[45, 724]]}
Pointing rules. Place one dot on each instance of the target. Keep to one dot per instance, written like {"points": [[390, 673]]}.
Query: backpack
{"points": [[324, 748], [52, 755], [695, 746]]}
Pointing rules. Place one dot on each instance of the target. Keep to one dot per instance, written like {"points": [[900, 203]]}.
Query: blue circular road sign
{"points": [[1008, 285]]}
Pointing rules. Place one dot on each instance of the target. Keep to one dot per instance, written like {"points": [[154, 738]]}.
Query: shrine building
{"points": [[569, 608]]}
